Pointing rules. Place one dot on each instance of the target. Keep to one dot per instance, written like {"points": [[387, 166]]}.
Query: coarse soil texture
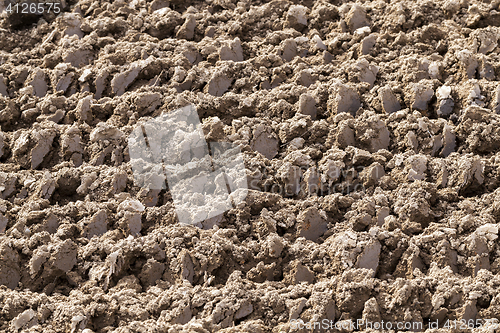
{"points": [[371, 141]]}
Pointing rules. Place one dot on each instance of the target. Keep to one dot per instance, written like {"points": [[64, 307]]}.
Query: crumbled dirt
{"points": [[370, 132]]}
